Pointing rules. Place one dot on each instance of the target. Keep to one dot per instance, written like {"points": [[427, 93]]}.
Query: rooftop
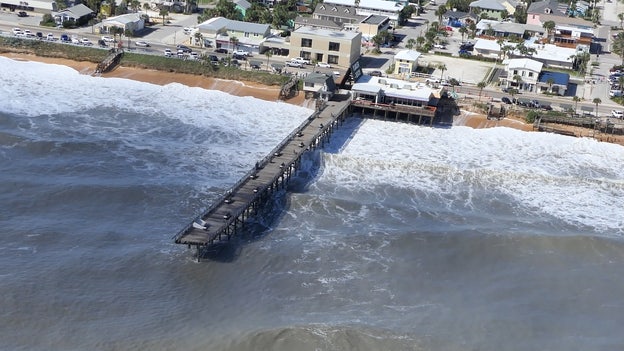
{"points": [[375, 19], [558, 78], [408, 55], [328, 33], [525, 63], [394, 87], [78, 10], [316, 22], [370, 4], [217, 23], [127, 18]]}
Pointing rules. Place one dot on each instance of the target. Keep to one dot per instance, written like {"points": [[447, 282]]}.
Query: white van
{"points": [[615, 93]]}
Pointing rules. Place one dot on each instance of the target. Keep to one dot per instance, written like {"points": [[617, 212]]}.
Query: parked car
{"points": [[168, 52], [468, 46], [323, 65], [50, 37], [617, 114], [65, 38], [615, 93], [221, 51], [22, 14], [439, 46], [184, 48], [240, 52], [142, 44], [102, 43], [86, 42], [108, 39], [187, 30], [39, 35], [16, 31], [464, 52], [301, 60], [375, 73], [239, 57], [294, 64], [75, 40], [506, 100]]}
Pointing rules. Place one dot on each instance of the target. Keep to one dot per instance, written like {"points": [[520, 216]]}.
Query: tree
{"points": [[420, 41], [163, 13], [146, 6], [463, 31], [518, 80], [234, 42], [549, 26], [481, 85], [129, 34], [440, 12], [576, 99], [258, 13], [268, 54], [378, 40], [618, 45], [597, 102], [223, 8], [550, 81], [135, 5], [410, 43], [199, 38], [621, 18], [442, 67], [513, 92]]}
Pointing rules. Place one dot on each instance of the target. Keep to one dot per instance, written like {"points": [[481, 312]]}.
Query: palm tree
{"points": [[268, 54], [550, 81], [442, 67], [420, 41], [518, 80], [234, 42], [463, 31], [549, 26], [440, 12], [146, 6], [163, 13], [199, 38], [597, 101], [410, 43], [481, 85], [135, 5], [576, 100]]}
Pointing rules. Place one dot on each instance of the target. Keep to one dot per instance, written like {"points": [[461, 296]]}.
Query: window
{"points": [[515, 71], [246, 35], [334, 46], [309, 84], [306, 55], [319, 57], [530, 74], [306, 43], [332, 59]]}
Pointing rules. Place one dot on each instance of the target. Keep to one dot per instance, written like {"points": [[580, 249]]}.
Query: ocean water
{"points": [[392, 237]]}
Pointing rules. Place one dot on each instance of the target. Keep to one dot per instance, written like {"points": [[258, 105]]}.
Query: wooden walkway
{"points": [[244, 199], [110, 61]]}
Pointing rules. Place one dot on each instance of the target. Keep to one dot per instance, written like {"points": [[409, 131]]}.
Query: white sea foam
{"points": [[579, 181]]}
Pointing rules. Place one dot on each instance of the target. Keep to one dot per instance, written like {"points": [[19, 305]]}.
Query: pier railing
{"points": [[266, 159]]}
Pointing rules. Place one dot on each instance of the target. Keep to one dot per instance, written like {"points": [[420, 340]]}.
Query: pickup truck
{"points": [[300, 60]]}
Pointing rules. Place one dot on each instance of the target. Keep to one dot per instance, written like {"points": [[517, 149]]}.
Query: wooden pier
{"points": [[229, 213]]}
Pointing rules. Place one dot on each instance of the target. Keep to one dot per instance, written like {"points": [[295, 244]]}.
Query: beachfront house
{"points": [[493, 8], [371, 7], [221, 32], [79, 14], [521, 74], [338, 48], [319, 85], [406, 62], [130, 22]]}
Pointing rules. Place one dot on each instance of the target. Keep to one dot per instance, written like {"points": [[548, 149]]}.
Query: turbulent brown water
{"points": [[393, 237]]}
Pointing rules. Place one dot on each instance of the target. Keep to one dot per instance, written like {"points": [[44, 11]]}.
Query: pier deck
{"points": [[231, 211]]}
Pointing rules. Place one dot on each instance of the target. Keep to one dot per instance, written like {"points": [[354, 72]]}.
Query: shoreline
{"points": [[242, 89]]}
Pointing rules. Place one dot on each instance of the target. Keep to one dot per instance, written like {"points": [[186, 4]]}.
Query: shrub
{"points": [[531, 116]]}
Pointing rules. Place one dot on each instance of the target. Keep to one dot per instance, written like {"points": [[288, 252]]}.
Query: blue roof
{"points": [[558, 77]]}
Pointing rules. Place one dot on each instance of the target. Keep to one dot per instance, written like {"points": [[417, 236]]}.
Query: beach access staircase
{"points": [[230, 212], [110, 61], [290, 88]]}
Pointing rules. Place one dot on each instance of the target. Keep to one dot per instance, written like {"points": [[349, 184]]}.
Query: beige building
{"points": [[405, 62], [337, 48]]}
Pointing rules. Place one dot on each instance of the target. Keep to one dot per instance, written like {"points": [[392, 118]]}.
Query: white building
{"points": [[522, 74], [129, 22], [219, 32], [373, 7]]}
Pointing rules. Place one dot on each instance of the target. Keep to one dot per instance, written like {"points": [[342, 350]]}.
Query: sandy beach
{"points": [[237, 88], [162, 78]]}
